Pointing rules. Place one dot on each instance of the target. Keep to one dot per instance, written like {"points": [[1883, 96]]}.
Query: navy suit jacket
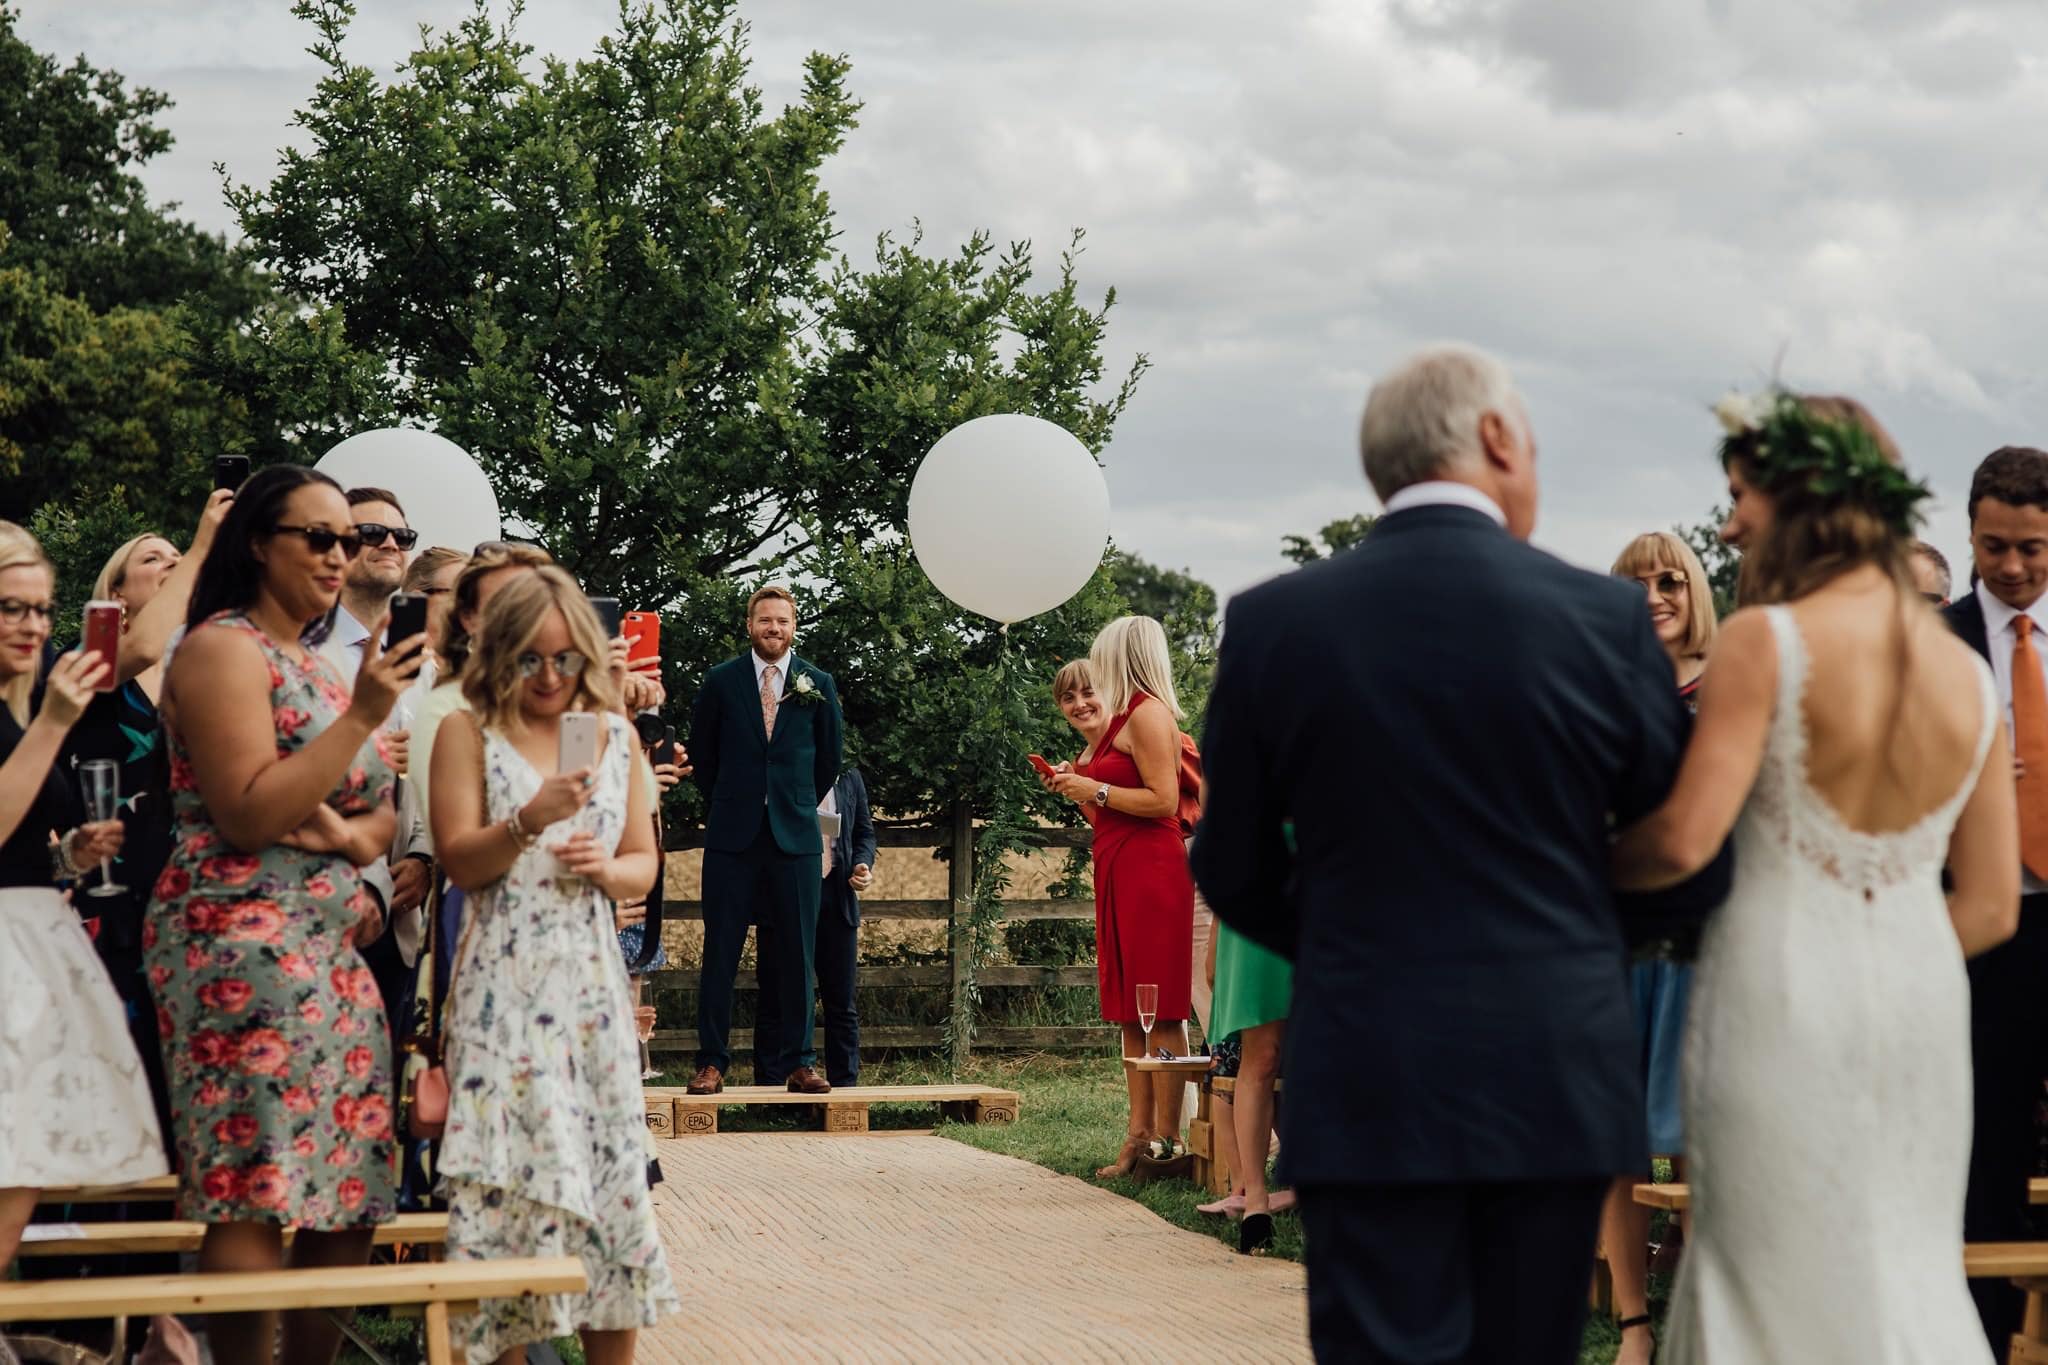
{"points": [[854, 847], [748, 778], [1453, 721]]}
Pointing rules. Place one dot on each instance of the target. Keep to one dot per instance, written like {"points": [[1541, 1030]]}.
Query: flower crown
{"points": [[1788, 446]]}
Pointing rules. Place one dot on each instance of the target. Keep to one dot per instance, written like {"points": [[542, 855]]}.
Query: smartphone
{"points": [[578, 742], [103, 634], [408, 617], [1045, 769], [230, 471], [608, 613], [643, 628]]}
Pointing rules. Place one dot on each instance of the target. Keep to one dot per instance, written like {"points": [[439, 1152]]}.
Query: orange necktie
{"points": [[2030, 742]]}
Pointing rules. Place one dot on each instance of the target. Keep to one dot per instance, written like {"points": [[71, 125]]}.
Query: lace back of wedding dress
{"points": [[1786, 802]]}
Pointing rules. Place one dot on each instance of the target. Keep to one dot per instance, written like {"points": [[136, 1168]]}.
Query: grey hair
{"points": [[1423, 418]]}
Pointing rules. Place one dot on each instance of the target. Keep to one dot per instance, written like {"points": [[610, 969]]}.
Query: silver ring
{"points": [[589, 778]]}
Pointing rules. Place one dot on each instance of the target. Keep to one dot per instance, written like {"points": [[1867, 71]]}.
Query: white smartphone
{"points": [[578, 743]]}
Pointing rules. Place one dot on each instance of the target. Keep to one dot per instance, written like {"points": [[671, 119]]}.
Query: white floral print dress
{"points": [[545, 1152]]}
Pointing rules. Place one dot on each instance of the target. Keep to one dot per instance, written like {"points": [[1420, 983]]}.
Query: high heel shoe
{"points": [[1126, 1159], [1255, 1234]]}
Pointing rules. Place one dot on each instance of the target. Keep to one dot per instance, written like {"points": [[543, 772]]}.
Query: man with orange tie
{"points": [[2006, 620]]}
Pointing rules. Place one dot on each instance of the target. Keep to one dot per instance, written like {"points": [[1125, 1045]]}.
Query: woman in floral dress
{"points": [[273, 1032], [545, 1152]]}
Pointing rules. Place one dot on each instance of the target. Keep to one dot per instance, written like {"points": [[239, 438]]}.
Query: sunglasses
{"points": [[373, 534], [14, 611], [1670, 583], [320, 540], [568, 663]]}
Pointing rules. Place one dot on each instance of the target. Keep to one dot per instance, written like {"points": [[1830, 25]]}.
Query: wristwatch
{"points": [[1102, 795]]}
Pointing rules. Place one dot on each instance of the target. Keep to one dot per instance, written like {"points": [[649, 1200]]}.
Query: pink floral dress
{"points": [[273, 1031]]}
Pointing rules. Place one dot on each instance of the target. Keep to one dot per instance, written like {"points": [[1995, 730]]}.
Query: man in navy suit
{"points": [[1452, 721], [849, 871], [765, 733], [2009, 984]]}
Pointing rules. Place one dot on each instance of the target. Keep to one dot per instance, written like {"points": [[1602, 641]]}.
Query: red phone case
{"points": [[103, 634], [1044, 768], [643, 630]]}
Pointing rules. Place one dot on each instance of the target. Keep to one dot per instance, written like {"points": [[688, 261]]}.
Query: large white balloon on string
{"points": [[446, 496], [1009, 516]]}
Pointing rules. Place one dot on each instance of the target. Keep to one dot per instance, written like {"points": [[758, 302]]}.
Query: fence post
{"points": [[960, 936]]}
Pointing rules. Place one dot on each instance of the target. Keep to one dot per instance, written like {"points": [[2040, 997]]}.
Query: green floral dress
{"points": [[546, 1147], [273, 1031]]}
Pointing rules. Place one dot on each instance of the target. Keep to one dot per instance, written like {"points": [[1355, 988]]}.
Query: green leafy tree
{"points": [[1187, 608], [1335, 538]]}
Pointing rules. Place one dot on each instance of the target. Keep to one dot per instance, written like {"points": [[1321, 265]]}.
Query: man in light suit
{"points": [[1450, 720], [765, 734]]}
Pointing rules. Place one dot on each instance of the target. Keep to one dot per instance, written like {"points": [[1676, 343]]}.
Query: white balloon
{"points": [[446, 496], [1009, 516]]}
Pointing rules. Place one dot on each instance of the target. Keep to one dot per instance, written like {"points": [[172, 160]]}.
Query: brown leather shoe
{"points": [[805, 1081], [709, 1080]]}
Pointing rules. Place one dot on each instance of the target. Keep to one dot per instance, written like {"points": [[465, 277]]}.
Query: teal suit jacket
{"points": [[745, 776]]}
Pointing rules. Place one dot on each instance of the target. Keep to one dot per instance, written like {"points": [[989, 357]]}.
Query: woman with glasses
{"points": [[1681, 604], [74, 1109], [273, 1030], [545, 1149]]}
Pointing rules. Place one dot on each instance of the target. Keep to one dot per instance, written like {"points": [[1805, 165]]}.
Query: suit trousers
{"points": [[778, 893], [836, 955], [2009, 1048], [1450, 1274]]}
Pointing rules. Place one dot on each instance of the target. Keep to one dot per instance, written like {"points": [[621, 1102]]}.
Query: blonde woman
{"points": [[545, 1151], [1129, 778], [73, 1106], [1681, 605]]}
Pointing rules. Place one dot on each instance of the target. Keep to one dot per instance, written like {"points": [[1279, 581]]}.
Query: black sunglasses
{"points": [[372, 534], [320, 540]]}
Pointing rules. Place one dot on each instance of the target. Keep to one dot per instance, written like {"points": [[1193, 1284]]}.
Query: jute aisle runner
{"points": [[810, 1247]]}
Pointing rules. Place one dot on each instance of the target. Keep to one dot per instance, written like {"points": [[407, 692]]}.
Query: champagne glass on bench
{"points": [[1148, 1012]]}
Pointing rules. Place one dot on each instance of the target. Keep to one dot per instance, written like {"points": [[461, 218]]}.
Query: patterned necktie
{"points": [[769, 700], [2030, 743]]}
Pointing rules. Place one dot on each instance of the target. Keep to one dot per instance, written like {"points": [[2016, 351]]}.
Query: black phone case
{"points": [[408, 618]]}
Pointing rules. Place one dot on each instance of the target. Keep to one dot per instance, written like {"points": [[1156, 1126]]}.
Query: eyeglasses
{"points": [[568, 663], [320, 540], [1670, 583], [373, 533], [14, 611], [433, 592]]}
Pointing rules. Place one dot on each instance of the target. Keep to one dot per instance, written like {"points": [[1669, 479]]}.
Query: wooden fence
{"points": [[957, 975]]}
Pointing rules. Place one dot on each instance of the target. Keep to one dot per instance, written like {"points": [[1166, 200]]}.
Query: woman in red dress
{"points": [[1144, 897]]}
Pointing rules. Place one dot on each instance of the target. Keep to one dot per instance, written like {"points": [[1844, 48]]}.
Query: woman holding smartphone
{"points": [[73, 1106], [273, 1031], [545, 1149]]}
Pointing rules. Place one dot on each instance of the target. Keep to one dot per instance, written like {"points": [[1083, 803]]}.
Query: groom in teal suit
{"points": [[765, 734]]}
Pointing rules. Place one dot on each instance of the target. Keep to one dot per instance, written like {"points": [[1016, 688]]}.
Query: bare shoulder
{"points": [[228, 659], [1747, 645]]}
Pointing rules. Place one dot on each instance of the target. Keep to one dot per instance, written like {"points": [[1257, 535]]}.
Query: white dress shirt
{"points": [[1999, 639], [1445, 493], [344, 645]]}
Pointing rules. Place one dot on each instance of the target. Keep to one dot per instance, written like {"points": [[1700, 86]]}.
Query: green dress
{"points": [[1254, 985]]}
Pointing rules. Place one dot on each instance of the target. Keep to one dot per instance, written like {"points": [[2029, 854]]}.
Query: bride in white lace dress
{"points": [[1854, 747]]}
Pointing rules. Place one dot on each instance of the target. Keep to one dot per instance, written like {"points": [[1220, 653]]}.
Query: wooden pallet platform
{"points": [[1677, 1197], [673, 1112]]}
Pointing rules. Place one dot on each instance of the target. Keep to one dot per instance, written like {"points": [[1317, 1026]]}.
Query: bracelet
{"points": [[67, 867], [518, 832]]}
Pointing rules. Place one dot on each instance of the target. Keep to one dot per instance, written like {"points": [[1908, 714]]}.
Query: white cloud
{"points": [[1637, 202]]}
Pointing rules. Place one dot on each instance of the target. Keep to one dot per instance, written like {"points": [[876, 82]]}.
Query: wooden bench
{"points": [[1211, 1172], [2024, 1263], [673, 1112], [162, 1188], [1677, 1197], [444, 1289], [145, 1238]]}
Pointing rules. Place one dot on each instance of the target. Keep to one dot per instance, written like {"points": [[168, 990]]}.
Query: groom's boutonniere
{"points": [[803, 690]]}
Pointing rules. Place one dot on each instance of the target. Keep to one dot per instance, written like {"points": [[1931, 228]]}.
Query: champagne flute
{"points": [[101, 780], [1148, 1012]]}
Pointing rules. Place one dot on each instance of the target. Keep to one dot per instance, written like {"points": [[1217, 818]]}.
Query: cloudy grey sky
{"points": [[1637, 202]]}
